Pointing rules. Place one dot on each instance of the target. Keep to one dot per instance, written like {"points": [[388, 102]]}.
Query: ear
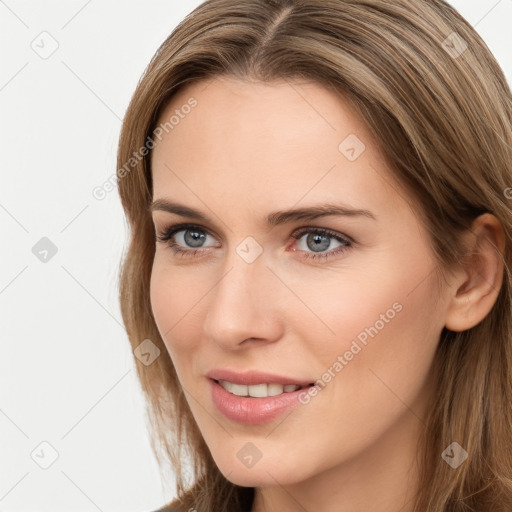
{"points": [[475, 288]]}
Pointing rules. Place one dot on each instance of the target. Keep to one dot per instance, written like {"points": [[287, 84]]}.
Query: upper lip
{"points": [[252, 377]]}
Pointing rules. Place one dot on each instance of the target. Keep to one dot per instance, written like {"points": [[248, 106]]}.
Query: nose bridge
{"points": [[240, 305]]}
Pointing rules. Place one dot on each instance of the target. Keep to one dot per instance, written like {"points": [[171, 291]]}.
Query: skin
{"points": [[248, 149]]}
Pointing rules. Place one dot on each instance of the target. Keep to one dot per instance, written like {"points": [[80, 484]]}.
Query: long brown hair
{"points": [[437, 101]]}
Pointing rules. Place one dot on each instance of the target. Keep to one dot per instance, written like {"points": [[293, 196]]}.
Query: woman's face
{"points": [[348, 300]]}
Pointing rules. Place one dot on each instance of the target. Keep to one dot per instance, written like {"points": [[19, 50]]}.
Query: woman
{"points": [[317, 287]]}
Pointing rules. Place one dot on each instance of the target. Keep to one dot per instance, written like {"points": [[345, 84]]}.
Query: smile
{"points": [[258, 390]]}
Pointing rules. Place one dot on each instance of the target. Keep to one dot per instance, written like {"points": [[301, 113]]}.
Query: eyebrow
{"points": [[274, 218]]}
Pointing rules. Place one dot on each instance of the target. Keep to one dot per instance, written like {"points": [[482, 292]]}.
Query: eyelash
{"points": [[166, 236]]}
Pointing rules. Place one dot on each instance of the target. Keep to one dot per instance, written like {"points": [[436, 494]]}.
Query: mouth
{"points": [[262, 390], [255, 402]]}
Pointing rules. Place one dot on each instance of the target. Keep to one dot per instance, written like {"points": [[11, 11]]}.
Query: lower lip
{"points": [[250, 410]]}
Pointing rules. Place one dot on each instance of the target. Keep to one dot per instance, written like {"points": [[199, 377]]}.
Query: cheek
{"points": [[379, 334], [383, 372], [174, 302], [351, 305]]}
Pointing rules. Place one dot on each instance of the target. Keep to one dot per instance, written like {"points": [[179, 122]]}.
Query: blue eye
{"points": [[320, 239], [187, 240], [188, 234]]}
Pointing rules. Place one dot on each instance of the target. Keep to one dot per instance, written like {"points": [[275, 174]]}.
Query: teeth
{"points": [[274, 389], [239, 389], [257, 390]]}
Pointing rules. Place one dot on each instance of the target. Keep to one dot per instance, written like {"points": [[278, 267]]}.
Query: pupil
{"points": [[317, 242], [193, 238]]}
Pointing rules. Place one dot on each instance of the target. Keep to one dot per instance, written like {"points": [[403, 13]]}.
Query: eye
{"points": [[188, 240], [318, 240], [185, 235]]}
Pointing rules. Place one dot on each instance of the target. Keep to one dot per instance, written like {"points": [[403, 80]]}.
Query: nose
{"points": [[244, 305]]}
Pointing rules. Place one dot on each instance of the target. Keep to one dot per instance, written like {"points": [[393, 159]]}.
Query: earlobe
{"points": [[475, 288]]}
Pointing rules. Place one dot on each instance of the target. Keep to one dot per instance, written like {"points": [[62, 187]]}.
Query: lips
{"points": [[254, 397]]}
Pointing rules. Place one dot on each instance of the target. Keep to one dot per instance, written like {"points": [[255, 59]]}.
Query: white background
{"points": [[68, 376]]}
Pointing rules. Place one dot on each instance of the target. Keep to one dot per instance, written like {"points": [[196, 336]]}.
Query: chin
{"points": [[250, 478], [262, 474]]}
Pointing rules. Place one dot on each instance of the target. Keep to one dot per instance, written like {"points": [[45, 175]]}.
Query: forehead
{"points": [[262, 143], [293, 110]]}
